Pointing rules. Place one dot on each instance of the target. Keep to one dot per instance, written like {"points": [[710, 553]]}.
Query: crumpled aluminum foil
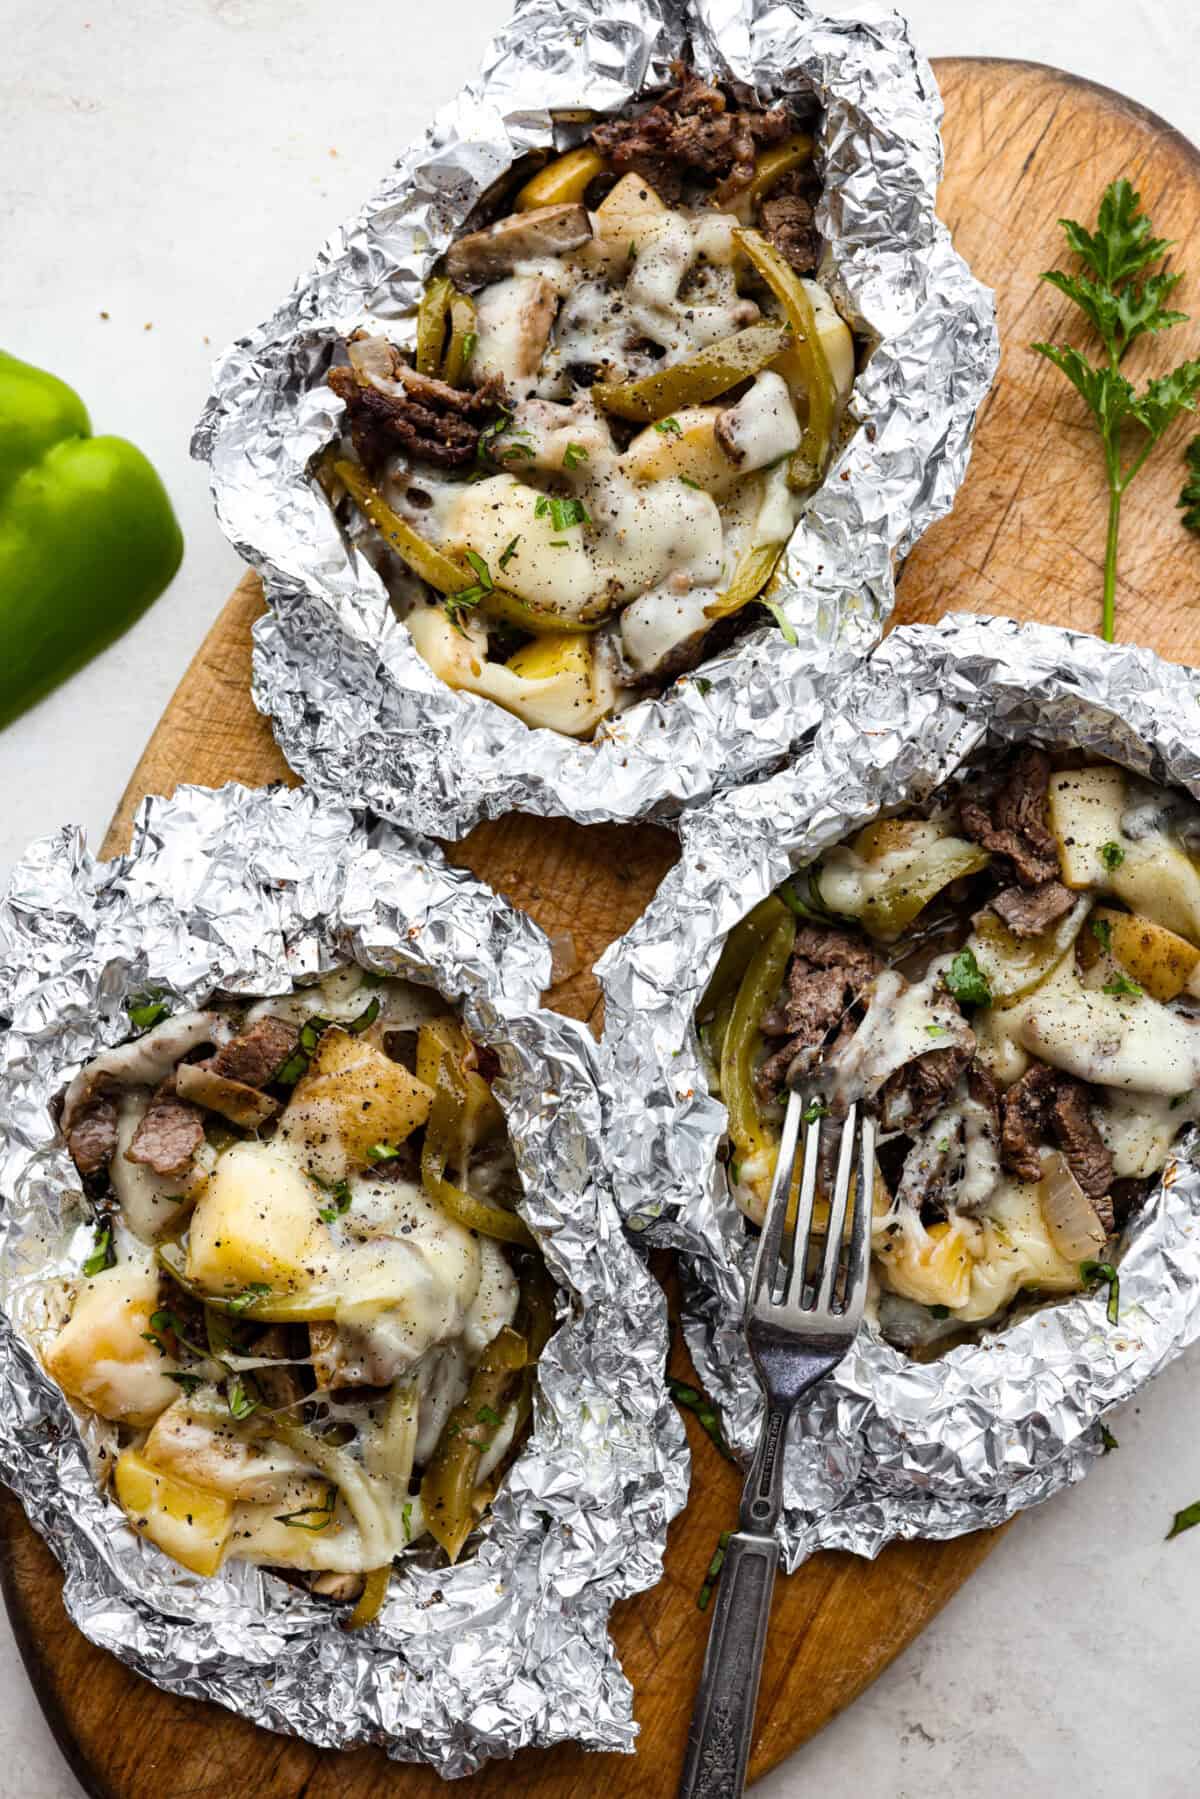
{"points": [[251, 891], [355, 709], [887, 1447]]}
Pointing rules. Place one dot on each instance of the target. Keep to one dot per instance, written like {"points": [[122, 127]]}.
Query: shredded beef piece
{"points": [[828, 970], [430, 420], [169, 1134], [1013, 822], [1028, 911], [692, 129], [789, 220], [910, 1097], [1127, 1195], [1045, 1102], [257, 1053], [92, 1139], [984, 1091]]}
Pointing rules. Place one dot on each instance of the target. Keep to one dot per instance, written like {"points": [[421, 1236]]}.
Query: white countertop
{"points": [[174, 165]]}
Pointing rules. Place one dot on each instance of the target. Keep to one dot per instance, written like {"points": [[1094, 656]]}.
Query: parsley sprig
{"points": [[1120, 309], [1189, 493]]}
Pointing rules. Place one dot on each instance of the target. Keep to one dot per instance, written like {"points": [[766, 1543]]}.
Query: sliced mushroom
{"points": [[242, 1105], [484, 256]]}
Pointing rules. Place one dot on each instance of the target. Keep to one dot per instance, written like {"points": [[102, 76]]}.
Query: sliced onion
{"points": [[1071, 1219]]}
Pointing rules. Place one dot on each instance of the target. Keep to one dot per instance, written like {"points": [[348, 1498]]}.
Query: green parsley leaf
{"points": [[146, 1010], [703, 686], [248, 1297], [1109, 1441], [814, 1110], [340, 1194], [382, 1152], [1184, 1520], [191, 1383], [573, 455], [103, 1253], [509, 551], [1189, 493], [455, 604], [1120, 310], [242, 1396], [481, 569], [937, 1030], [632, 248], [1094, 1272], [559, 543], [1101, 930], [1121, 987], [1112, 855], [782, 620], [669, 427], [691, 1399], [566, 513], [714, 1570], [688, 482], [967, 981], [485, 1415]]}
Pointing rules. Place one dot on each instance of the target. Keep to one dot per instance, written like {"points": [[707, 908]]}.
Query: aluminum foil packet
{"points": [[888, 1447], [251, 892], [356, 711]]}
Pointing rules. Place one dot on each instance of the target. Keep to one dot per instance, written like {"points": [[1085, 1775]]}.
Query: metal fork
{"points": [[799, 1325]]}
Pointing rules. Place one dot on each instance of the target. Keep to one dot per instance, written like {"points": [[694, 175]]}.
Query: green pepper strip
{"points": [[431, 325], [804, 353], [744, 939], [300, 1307], [441, 1132], [450, 1478], [772, 165], [759, 987], [462, 333], [712, 371], [749, 578], [370, 1600]]}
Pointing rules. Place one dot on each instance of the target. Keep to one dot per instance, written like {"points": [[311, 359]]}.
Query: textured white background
{"points": [[174, 163]]}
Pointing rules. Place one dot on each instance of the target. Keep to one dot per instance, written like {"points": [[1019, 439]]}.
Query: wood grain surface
{"points": [[1024, 145]]}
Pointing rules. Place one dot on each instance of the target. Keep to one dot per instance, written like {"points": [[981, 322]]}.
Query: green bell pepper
{"points": [[87, 535]]}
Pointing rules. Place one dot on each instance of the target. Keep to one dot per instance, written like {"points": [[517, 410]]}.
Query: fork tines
{"points": [[784, 1283]]}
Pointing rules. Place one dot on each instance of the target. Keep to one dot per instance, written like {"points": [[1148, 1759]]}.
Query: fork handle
{"points": [[722, 1725]]}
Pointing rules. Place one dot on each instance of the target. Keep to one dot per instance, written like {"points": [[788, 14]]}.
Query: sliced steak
{"points": [[828, 971], [789, 221], [1028, 911], [256, 1054], [984, 1091], [1045, 1103], [92, 1139], [1012, 822], [244, 1106], [910, 1097], [692, 130], [168, 1135], [429, 420]]}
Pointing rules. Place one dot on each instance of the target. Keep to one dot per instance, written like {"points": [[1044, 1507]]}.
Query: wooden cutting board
{"points": [[1024, 145]]}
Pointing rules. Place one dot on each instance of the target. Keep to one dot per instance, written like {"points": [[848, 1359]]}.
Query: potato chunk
{"points": [[691, 453], [256, 1222], [352, 1096], [1161, 963], [1151, 873], [192, 1526], [101, 1357]]}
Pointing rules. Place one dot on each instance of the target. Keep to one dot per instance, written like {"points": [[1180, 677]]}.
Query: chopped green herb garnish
{"points": [[566, 513], [542, 506], [190, 1383], [242, 1396], [146, 1010], [485, 1415], [573, 455], [714, 1570], [1102, 932], [1121, 987], [937, 1030], [339, 1192], [515, 451], [481, 569], [1189, 493], [692, 1400], [669, 427], [688, 482], [1112, 855], [365, 1019], [703, 686], [248, 1297], [406, 1520], [382, 1152], [1109, 1441], [1121, 309], [1093, 1273], [814, 1110], [103, 1254], [510, 551], [559, 543], [632, 248], [468, 347], [967, 981], [1184, 1520], [783, 621], [311, 1517]]}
